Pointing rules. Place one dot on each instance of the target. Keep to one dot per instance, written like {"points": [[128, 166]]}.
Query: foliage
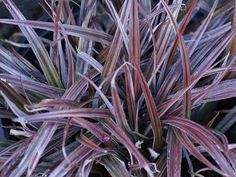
{"points": [[103, 87]]}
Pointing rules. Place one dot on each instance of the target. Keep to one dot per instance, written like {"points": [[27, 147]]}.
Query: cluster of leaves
{"points": [[115, 87]]}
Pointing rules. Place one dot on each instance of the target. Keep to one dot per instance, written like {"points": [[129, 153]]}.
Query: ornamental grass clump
{"points": [[118, 88]]}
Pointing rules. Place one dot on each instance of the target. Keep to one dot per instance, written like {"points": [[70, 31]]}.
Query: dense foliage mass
{"points": [[118, 88]]}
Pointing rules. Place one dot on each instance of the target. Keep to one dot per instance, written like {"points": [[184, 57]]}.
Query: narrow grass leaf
{"points": [[78, 112], [134, 41], [34, 86], [213, 146], [152, 110], [119, 21], [114, 166], [186, 142], [174, 155], [200, 31], [37, 46], [71, 30], [123, 138], [116, 45], [90, 60], [185, 63], [130, 98], [76, 156]]}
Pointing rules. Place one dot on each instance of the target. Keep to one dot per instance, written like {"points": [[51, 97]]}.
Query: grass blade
{"points": [[174, 155], [152, 110], [71, 30], [37, 47], [114, 166], [185, 64], [213, 146], [134, 41], [116, 45]]}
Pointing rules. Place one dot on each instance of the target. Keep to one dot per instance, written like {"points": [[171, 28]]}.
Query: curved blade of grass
{"points": [[14, 101], [164, 38], [12, 59], [99, 91], [114, 166], [116, 45], [16, 110], [211, 58], [84, 140], [123, 138], [225, 90], [86, 168], [70, 67], [90, 60], [186, 142], [119, 111], [185, 63], [118, 108], [203, 92], [206, 139], [37, 46], [193, 5], [191, 128], [227, 122], [84, 45], [174, 155], [76, 156], [86, 165], [78, 112], [152, 110], [134, 35], [56, 19], [181, 31], [162, 165], [71, 30], [46, 103], [158, 11], [11, 94], [130, 98], [76, 89], [33, 86], [119, 21], [200, 31], [94, 129]]}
